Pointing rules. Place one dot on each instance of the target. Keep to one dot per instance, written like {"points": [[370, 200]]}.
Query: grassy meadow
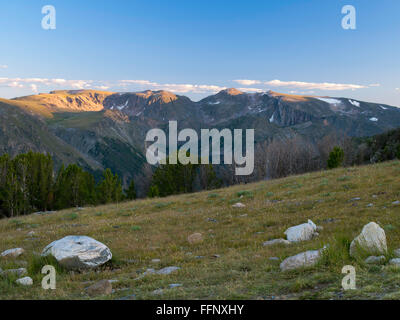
{"points": [[231, 261]]}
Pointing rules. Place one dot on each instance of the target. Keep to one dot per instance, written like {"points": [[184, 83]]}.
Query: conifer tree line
{"points": [[29, 184]]}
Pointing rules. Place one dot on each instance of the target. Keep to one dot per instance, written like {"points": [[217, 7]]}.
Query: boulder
{"points": [[302, 232], [100, 288], [195, 238], [238, 205], [78, 252], [27, 281], [372, 240], [276, 241], [12, 253], [301, 260], [375, 260]]}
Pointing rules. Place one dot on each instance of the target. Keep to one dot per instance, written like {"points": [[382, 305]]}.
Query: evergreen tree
{"points": [[336, 158], [110, 188], [131, 192]]}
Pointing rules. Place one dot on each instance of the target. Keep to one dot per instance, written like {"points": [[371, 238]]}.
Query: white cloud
{"points": [[246, 82], [314, 85], [3, 66], [34, 87], [250, 89], [177, 88], [307, 85]]}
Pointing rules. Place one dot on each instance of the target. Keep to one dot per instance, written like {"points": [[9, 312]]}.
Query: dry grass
{"points": [[137, 232]]}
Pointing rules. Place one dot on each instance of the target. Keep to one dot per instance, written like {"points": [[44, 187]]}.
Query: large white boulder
{"points": [[78, 252], [371, 240], [302, 232], [301, 260]]}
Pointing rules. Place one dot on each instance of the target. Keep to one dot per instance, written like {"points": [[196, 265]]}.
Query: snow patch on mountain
{"points": [[354, 103], [373, 119], [330, 100]]}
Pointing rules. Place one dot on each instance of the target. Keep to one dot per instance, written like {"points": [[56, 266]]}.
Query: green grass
{"points": [[231, 262]]}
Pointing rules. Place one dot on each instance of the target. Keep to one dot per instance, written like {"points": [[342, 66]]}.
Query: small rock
{"points": [[195, 238], [396, 202], [113, 281], [31, 233], [212, 220], [130, 297], [216, 256], [167, 270], [372, 239], [26, 281], [355, 199], [276, 241], [238, 205], [374, 196], [396, 253], [304, 259], [158, 292], [155, 261], [12, 253], [375, 260], [100, 288], [19, 272], [369, 205], [395, 262], [175, 285], [301, 232], [273, 258]]}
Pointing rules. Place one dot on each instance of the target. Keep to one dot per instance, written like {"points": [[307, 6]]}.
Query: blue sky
{"points": [[196, 48]]}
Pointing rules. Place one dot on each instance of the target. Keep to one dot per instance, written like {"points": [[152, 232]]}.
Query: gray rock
{"points": [[304, 259], [100, 288], [130, 297], [19, 272], [372, 239], [12, 253], [355, 199], [273, 258], [175, 285], [369, 205], [155, 261], [238, 205], [396, 253], [275, 241], [301, 232], [167, 270], [27, 281], [158, 292], [397, 202], [78, 252], [375, 260], [395, 262]]}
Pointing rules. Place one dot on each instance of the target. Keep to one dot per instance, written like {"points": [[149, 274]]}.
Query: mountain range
{"points": [[99, 129]]}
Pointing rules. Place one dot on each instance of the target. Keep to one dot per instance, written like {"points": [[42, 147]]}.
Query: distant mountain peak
{"points": [[232, 92]]}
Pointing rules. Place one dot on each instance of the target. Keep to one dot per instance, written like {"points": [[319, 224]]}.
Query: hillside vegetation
{"points": [[231, 261]]}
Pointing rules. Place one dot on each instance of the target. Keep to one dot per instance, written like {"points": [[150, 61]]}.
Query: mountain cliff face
{"points": [[101, 129]]}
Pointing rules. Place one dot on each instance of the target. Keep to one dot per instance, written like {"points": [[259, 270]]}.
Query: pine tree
{"points": [[336, 158], [131, 192]]}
